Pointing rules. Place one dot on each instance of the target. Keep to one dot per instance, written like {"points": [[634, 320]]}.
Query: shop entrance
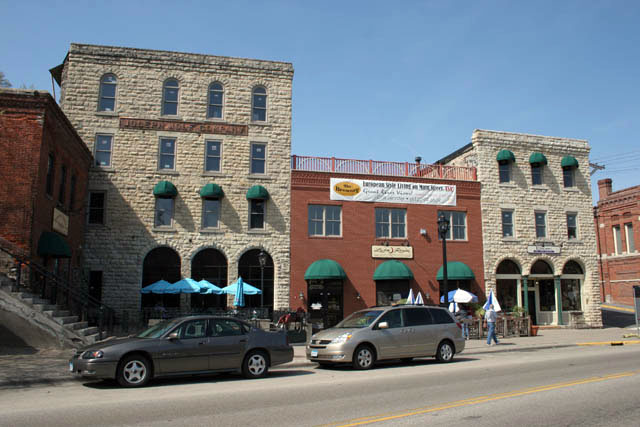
{"points": [[531, 296], [324, 303]]}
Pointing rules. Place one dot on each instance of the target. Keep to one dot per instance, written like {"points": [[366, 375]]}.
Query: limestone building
{"points": [[537, 224], [191, 175]]}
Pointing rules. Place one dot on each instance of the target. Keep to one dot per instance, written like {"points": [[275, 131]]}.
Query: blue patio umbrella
{"points": [[184, 286], [247, 289], [238, 301], [208, 288], [461, 296], [158, 287]]}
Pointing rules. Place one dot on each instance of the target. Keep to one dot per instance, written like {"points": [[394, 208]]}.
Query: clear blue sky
{"points": [[387, 80]]}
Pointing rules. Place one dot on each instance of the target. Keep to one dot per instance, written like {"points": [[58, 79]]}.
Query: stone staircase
{"points": [[68, 329]]}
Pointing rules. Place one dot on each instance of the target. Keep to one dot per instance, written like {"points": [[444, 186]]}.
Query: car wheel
{"points": [[363, 357], [255, 365], [445, 352], [134, 371]]}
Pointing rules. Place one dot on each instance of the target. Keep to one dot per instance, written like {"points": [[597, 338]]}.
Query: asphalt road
{"points": [[570, 386]]}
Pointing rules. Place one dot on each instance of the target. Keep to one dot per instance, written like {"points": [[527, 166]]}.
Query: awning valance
{"points": [[393, 270], [324, 269], [211, 191], [165, 189], [537, 158], [53, 245], [569, 162], [456, 270], [257, 192], [505, 155]]}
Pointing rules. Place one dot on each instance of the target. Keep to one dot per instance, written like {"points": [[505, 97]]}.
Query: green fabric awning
{"points": [[537, 158], [569, 162], [53, 245], [324, 269], [165, 189], [456, 270], [257, 192], [393, 270], [505, 155], [211, 191]]}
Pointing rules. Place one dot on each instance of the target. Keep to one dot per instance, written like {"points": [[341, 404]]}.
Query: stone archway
{"points": [[250, 271], [508, 277], [209, 264], [161, 263]]}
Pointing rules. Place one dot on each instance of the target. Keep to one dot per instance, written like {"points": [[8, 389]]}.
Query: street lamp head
{"points": [[443, 225], [262, 258]]}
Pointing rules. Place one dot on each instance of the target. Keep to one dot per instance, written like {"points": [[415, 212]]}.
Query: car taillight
{"points": [[459, 325]]}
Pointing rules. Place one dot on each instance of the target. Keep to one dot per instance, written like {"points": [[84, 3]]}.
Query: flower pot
{"points": [[534, 330]]}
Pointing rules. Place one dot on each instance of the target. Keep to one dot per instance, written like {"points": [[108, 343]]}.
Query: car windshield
{"points": [[360, 319], [157, 330]]}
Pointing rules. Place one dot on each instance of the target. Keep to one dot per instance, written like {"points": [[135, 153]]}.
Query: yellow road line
{"points": [[613, 307], [477, 400], [609, 342]]}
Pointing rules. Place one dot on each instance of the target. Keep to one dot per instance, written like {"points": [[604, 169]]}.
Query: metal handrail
{"points": [[79, 302]]}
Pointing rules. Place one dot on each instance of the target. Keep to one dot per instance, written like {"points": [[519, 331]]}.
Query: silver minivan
{"points": [[394, 332]]}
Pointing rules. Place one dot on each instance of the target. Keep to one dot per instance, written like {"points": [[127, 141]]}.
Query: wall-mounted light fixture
{"points": [[358, 297], [301, 296], [385, 243], [423, 232]]}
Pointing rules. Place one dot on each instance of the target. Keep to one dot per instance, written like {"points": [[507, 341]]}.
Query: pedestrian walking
{"points": [[461, 316], [490, 317]]}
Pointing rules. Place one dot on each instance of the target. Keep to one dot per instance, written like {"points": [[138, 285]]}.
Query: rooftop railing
{"points": [[373, 167]]}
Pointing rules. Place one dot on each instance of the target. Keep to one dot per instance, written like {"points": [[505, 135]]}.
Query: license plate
{"points": [[314, 353], [71, 366]]}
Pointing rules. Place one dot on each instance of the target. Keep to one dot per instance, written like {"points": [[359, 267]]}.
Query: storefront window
{"points": [[571, 294], [547, 297], [391, 291], [506, 293]]}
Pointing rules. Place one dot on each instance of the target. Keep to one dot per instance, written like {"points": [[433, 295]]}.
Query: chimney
{"points": [[418, 159], [604, 188]]}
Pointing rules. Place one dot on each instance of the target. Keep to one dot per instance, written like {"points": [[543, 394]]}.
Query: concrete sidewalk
{"points": [[21, 368]]}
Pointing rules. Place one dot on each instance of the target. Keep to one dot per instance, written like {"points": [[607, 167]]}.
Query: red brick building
{"points": [[347, 254], [617, 219], [43, 180]]}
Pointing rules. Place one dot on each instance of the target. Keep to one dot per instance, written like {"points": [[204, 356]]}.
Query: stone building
{"points": [[363, 233], [537, 224], [617, 219], [191, 175]]}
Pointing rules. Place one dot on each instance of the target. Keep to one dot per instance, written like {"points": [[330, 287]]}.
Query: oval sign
{"points": [[346, 188]]}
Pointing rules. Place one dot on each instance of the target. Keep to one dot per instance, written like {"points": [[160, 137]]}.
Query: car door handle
{"points": [[243, 340], [202, 343]]}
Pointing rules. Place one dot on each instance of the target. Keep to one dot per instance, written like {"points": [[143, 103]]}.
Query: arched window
{"points": [[161, 263], [107, 101], [259, 104], [572, 267], [507, 276], [170, 97], [211, 265], [508, 267], [250, 271], [541, 267], [216, 95], [570, 286]]}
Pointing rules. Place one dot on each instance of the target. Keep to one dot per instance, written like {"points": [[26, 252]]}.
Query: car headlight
{"points": [[95, 354], [342, 338]]}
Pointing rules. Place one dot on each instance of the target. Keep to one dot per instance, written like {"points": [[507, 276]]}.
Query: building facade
{"points": [[617, 219], [192, 170], [44, 175], [539, 242], [363, 233]]}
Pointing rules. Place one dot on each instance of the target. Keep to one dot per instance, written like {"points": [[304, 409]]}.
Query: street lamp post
{"points": [[443, 229], [262, 259]]}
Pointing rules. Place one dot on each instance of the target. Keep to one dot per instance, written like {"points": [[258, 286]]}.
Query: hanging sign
{"points": [[364, 190], [543, 249], [405, 252]]}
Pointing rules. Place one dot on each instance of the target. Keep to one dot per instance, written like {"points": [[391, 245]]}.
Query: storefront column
{"points": [[556, 281], [525, 290]]}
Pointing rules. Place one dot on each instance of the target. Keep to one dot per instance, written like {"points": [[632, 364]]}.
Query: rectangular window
{"points": [[103, 150], [324, 220], [210, 213], [457, 224], [167, 158], [570, 289], [536, 174], [568, 177], [391, 223], [96, 207], [541, 225], [164, 212], [617, 239], [95, 285], [504, 169], [213, 156], [258, 157], [50, 174], [572, 226], [631, 245], [63, 185], [256, 213], [507, 223], [72, 192]]}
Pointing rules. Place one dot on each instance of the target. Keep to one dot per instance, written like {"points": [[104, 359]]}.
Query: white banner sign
{"points": [[363, 190], [392, 252]]}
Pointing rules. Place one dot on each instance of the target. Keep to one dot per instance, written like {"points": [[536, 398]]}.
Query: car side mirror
{"points": [[173, 336], [383, 325]]}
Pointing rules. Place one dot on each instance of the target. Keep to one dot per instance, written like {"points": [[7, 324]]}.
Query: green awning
{"points": [[211, 191], [505, 155], [165, 189], [537, 158], [257, 192], [456, 270], [53, 245], [569, 162], [324, 269], [392, 270]]}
